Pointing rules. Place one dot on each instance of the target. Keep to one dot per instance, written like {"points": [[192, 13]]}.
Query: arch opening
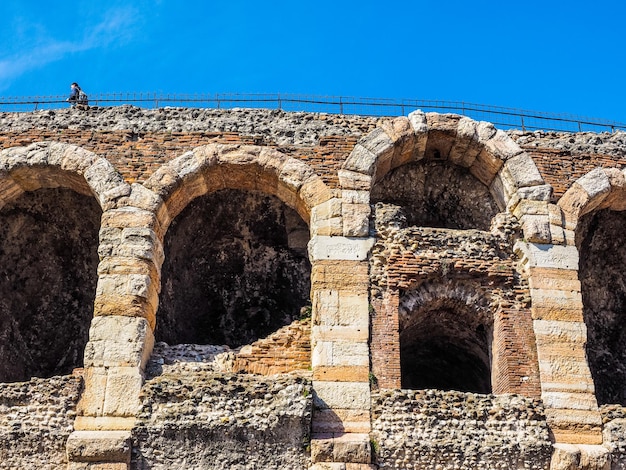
{"points": [[602, 247], [48, 277], [440, 349], [437, 194], [236, 269]]}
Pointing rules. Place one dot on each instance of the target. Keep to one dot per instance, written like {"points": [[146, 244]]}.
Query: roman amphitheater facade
{"points": [[247, 289]]}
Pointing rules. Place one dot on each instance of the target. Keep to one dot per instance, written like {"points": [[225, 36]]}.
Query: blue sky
{"points": [[554, 56]]}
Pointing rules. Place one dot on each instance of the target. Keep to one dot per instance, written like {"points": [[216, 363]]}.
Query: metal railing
{"points": [[506, 118]]}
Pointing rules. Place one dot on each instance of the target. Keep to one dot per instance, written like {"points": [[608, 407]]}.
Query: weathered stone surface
{"points": [[434, 429]]}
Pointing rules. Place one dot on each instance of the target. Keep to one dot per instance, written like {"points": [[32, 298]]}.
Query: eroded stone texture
{"points": [[614, 434], [430, 429], [236, 270], [436, 194], [48, 275], [36, 418], [204, 420], [602, 244]]}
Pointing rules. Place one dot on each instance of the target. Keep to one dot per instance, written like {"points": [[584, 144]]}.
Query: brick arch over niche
{"points": [[446, 335], [595, 209], [487, 153], [236, 265], [51, 200]]}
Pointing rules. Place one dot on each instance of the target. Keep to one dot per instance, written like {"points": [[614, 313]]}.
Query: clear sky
{"points": [[554, 56]]}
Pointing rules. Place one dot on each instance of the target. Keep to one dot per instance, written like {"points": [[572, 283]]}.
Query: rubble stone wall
{"points": [[429, 429], [36, 418]]}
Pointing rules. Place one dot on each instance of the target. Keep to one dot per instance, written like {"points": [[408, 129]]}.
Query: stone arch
{"points": [[56, 164], [203, 192], [445, 338], [594, 208], [51, 196], [489, 154], [213, 167]]}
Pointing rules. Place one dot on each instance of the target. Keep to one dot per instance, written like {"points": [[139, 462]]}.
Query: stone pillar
{"points": [[340, 353], [120, 339], [567, 387]]}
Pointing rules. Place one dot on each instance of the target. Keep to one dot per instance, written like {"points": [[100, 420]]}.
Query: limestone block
{"points": [[523, 171], [353, 310], [329, 227], [548, 304], [96, 466], [575, 426], [350, 353], [502, 147], [466, 147], [530, 207], [314, 192], [594, 457], [595, 183], [127, 284], [104, 423], [539, 281], [118, 341], [353, 448], [403, 138], [351, 196], [92, 399], [541, 192], [355, 219], [536, 228], [551, 331], [99, 446], [485, 167], [565, 457], [503, 193], [557, 235], [334, 373], [344, 395], [339, 248], [128, 305], [104, 181], [77, 159], [339, 421], [122, 391], [418, 122], [325, 303], [349, 179], [143, 198], [569, 400], [322, 353], [326, 210], [294, 173], [361, 160], [327, 352], [355, 332], [547, 255]]}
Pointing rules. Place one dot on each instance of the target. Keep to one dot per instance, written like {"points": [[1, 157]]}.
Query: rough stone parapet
{"points": [[271, 126], [36, 419], [242, 421], [435, 429]]}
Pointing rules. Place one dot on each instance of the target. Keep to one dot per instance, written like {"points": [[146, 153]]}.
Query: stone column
{"points": [[567, 387], [340, 353], [120, 339]]}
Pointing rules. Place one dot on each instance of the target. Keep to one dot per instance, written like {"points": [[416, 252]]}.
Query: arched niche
{"points": [[445, 340], [435, 193], [235, 270], [236, 266], [601, 243], [50, 211], [595, 208]]}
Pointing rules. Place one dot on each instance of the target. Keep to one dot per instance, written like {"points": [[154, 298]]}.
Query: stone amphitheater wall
{"points": [[488, 278]]}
